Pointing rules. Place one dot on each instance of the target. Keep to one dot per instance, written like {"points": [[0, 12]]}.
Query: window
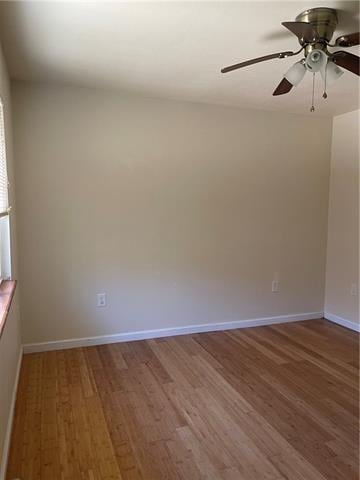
{"points": [[5, 260]]}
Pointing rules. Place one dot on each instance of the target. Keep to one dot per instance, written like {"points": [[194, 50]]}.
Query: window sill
{"points": [[7, 290]]}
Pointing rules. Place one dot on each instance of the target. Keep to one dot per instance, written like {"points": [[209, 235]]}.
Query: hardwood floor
{"points": [[268, 403]]}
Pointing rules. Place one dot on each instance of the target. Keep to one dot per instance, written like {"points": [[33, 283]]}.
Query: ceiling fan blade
{"points": [[257, 60], [348, 40], [303, 30], [347, 60], [284, 87]]}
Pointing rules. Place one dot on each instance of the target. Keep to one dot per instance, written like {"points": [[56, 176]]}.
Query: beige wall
{"points": [[343, 231], [180, 212], [10, 340]]}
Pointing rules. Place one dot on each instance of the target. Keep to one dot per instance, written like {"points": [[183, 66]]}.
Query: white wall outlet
{"points": [[275, 286], [101, 300], [353, 289]]}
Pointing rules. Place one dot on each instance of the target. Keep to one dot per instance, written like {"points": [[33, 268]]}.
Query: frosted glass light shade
{"points": [[333, 72], [295, 73], [316, 61]]}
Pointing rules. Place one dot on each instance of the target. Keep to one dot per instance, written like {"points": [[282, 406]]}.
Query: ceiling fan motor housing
{"points": [[324, 21]]}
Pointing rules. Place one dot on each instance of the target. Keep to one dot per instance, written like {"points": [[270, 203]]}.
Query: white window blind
{"points": [[5, 250], [4, 198]]}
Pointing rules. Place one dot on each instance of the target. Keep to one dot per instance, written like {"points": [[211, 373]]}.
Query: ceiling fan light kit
{"points": [[314, 29]]}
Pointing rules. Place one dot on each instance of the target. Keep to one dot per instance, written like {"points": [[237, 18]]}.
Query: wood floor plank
{"points": [[267, 403]]}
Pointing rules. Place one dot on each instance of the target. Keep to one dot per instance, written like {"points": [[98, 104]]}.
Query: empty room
{"points": [[179, 240]]}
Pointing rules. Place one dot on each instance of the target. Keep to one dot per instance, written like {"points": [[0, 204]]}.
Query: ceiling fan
{"points": [[314, 29]]}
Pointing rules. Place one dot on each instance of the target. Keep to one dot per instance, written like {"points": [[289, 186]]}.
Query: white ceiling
{"points": [[170, 49]]}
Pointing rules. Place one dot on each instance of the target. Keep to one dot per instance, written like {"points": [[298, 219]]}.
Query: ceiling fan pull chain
{"points": [[312, 109], [325, 84]]}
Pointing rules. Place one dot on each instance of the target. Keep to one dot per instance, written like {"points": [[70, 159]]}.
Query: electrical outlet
{"points": [[353, 289], [101, 299], [275, 286]]}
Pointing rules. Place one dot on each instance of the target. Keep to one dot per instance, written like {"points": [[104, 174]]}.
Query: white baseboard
{"points": [[166, 332], [7, 440], [342, 321]]}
